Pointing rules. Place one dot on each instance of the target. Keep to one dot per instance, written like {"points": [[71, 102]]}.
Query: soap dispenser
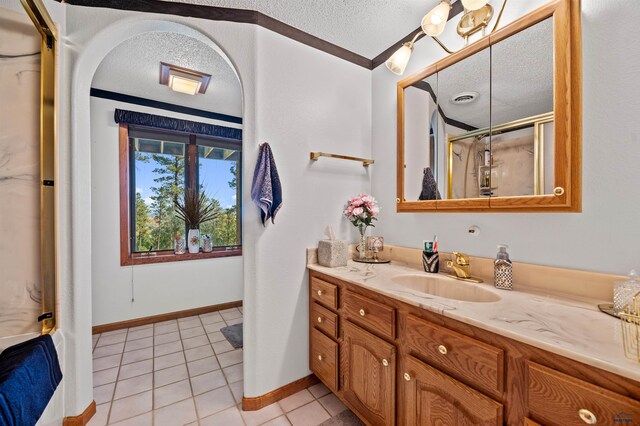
{"points": [[503, 269]]}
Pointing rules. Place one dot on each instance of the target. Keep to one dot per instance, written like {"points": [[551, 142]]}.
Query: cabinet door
{"points": [[369, 375], [433, 398]]}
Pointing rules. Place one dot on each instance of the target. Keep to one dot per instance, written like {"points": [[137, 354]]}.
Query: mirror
{"points": [[422, 131], [477, 129], [465, 103], [522, 113]]}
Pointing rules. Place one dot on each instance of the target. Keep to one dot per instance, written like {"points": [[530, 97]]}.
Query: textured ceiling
{"points": [[133, 68], [366, 27], [522, 76]]}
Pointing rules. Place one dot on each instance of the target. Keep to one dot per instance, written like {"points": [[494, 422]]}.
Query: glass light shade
{"points": [[184, 83], [399, 60], [434, 22], [474, 4]]}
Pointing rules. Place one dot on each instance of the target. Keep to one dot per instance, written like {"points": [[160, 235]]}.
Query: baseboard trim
{"points": [[258, 402], [97, 329], [81, 419]]}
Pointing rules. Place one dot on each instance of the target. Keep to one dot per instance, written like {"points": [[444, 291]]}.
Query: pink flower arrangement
{"points": [[362, 211]]}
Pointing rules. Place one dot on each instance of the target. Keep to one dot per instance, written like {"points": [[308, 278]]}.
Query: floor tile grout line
{"points": [[195, 407], [153, 376], [153, 338], [115, 386]]}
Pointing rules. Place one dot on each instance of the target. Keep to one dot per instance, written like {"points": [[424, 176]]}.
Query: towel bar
{"points": [[317, 154]]}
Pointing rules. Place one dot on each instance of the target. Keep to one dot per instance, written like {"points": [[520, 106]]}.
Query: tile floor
{"points": [[184, 372]]}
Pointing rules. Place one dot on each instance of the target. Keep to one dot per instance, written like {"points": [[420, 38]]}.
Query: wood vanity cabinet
{"points": [[369, 374], [434, 398], [393, 363]]}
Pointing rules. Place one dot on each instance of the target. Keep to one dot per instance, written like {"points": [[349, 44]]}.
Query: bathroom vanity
{"points": [[399, 346]]}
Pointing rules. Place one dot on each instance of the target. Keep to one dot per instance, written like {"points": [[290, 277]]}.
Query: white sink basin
{"points": [[448, 288]]}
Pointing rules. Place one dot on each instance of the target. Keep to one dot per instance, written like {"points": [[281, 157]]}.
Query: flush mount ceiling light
{"points": [[476, 17], [183, 80]]}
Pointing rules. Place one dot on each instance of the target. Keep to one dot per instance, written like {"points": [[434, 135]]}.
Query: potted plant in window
{"points": [[194, 210]]}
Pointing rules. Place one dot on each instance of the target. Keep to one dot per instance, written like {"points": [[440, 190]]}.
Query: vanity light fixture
{"points": [[476, 17], [183, 80]]}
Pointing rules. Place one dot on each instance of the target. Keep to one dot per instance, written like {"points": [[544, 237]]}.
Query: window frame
{"points": [[127, 194]]}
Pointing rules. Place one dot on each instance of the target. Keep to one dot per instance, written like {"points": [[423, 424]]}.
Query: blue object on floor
{"points": [[29, 375], [233, 334]]}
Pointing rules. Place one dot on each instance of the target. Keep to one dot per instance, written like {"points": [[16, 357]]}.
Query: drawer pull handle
{"points": [[385, 362], [319, 292], [319, 357], [319, 320], [407, 377], [558, 192], [362, 312], [588, 417], [442, 349]]}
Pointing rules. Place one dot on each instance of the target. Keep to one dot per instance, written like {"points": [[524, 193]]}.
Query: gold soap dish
{"points": [[630, 319]]}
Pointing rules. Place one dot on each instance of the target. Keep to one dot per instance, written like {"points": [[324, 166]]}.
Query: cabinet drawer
{"points": [[324, 359], [370, 314], [458, 355], [558, 399], [324, 292], [325, 320]]}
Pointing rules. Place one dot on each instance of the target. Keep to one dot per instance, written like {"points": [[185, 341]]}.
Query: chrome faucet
{"points": [[462, 268]]}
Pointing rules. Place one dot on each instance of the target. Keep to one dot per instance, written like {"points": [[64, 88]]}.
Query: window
{"points": [[160, 166]]}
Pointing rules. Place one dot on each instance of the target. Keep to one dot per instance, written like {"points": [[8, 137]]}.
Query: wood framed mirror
{"points": [[497, 126]]}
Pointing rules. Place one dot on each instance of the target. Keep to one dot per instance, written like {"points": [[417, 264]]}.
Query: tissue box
{"points": [[332, 253]]}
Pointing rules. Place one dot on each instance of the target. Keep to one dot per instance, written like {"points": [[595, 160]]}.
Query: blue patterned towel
{"points": [[429, 186], [266, 190], [29, 374]]}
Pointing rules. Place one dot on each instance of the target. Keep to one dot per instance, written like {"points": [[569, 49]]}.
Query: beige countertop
{"points": [[573, 328]]}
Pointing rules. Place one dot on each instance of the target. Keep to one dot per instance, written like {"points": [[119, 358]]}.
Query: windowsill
{"points": [[170, 256]]}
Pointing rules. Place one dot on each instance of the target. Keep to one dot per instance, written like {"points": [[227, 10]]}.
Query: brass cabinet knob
{"points": [[385, 362], [442, 349], [407, 377], [319, 292], [319, 320], [558, 191], [587, 416], [319, 357], [362, 313]]}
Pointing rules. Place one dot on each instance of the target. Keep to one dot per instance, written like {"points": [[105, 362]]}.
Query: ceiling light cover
{"points": [[434, 22], [183, 80], [397, 63], [184, 83], [474, 4]]}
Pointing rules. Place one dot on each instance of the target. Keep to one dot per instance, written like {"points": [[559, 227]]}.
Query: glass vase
{"points": [[362, 246]]}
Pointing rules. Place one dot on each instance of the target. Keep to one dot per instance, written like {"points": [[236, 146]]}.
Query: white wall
{"points": [[158, 288], [82, 48], [604, 237], [306, 100], [296, 98]]}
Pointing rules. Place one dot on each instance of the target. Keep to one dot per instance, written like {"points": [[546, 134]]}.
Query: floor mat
{"points": [[345, 418], [233, 333]]}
